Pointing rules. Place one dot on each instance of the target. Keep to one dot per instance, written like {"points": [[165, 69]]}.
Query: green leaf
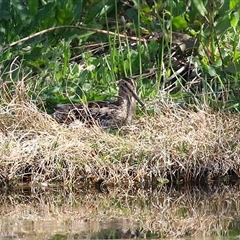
{"points": [[47, 10], [64, 12], [211, 70], [153, 47], [222, 25], [200, 7], [179, 22], [233, 3], [77, 10], [233, 68], [33, 7], [222, 12], [5, 15], [218, 63], [21, 9], [145, 8], [234, 19], [100, 9]]}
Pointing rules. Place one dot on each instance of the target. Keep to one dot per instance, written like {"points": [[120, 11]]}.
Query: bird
{"points": [[106, 114]]}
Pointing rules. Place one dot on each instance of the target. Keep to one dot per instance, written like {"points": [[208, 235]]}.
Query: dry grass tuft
{"points": [[175, 144]]}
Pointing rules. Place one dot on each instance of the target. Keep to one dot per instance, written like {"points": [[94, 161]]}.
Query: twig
{"points": [[76, 27]]}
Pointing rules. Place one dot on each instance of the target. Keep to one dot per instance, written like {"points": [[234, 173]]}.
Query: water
{"points": [[167, 212]]}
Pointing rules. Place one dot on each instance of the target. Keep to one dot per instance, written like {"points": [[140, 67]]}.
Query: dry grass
{"points": [[175, 144]]}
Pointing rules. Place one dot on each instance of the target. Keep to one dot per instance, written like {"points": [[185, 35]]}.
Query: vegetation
{"points": [[185, 58], [175, 145], [61, 63]]}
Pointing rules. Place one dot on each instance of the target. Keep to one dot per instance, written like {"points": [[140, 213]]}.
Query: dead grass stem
{"points": [[175, 144]]}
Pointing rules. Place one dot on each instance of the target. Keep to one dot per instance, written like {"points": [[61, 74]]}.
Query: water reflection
{"points": [[58, 213]]}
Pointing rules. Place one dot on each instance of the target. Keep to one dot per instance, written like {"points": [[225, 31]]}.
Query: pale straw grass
{"points": [[174, 144]]}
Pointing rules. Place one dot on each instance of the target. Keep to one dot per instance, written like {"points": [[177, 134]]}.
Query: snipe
{"points": [[106, 114]]}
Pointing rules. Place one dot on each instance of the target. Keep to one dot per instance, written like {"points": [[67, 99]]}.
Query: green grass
{"points": [[68, 63]]}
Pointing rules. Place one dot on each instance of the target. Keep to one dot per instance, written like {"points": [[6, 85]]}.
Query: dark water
{"points": [[167, 212]]}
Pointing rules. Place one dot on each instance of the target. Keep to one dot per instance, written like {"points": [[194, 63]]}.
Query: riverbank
{"points": [[173, 145]]}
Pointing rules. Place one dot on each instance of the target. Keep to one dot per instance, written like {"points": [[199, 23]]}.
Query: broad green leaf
{"points": [[145, 8], [200, 7], [233, 3], [233, 68], [33, 7], [235, 55], [21, 9], [210, 70], [100, 9], [234, 19], [218, 63], [224, 9], [5, 15], [179, 22], [223, 25], [47, 10], [153, 47], [78, 9]]}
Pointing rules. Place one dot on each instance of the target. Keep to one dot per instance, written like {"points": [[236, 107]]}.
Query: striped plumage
{"points": [[106, 114]]}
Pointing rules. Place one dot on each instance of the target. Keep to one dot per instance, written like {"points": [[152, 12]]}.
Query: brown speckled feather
{"points": [[104, 113]]}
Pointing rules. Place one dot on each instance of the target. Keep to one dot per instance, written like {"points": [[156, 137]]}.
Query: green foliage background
{"points": [[70, 64]]}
